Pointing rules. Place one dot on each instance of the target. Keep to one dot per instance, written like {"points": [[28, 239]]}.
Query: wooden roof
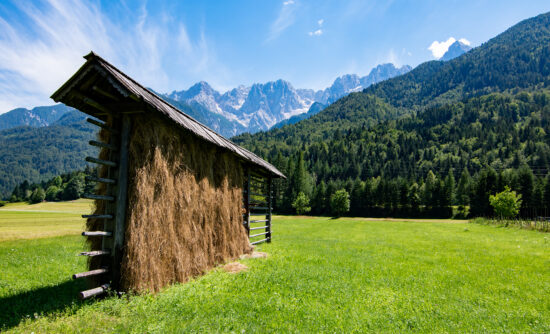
{"points": [[91, 86]]}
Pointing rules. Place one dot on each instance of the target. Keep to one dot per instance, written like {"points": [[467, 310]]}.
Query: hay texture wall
{"points": [[184, 212]]}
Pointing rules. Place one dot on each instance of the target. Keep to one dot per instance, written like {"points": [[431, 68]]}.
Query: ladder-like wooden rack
{"points": [[116, 181], [257, 200]]}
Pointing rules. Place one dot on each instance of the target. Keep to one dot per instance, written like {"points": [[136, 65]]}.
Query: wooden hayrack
{"points": [[104, 92]]}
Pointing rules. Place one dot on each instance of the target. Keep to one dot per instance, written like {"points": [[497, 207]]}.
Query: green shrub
{"points": [[38, 196], [301, 204], [339, 202], [52, 193], [506, 204]]}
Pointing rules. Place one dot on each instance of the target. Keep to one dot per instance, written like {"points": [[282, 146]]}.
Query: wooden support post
{"points": [[122, 188], [269, 206]]}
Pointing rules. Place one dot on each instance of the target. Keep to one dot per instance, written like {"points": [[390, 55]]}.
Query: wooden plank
{"points": [[259, 221], [101, 162], [106, 94], [91, 273], [96, 234], [255, 194], [122, 192], [257, 242], [95, 253], [98, 197], [102, 145], [259, 234], [97, 216], [257, 214], [100, 179], [101, 125], [258, 228], [92, 103], [93, 292]]}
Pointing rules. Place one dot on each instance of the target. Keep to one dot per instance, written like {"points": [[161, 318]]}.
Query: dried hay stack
{"points": [[184, 206]]}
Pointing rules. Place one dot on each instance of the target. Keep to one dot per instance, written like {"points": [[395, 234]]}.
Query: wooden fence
{"points": [[257, 204]]}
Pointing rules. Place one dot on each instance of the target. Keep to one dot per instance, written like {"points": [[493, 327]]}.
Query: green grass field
{"points": [[322, 275]]}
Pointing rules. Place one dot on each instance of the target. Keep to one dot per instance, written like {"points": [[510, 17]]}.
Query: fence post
{"points": [[269, 208]]}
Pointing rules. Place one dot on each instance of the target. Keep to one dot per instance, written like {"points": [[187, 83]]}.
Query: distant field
{"points": [[322, 275], [24, 221]]}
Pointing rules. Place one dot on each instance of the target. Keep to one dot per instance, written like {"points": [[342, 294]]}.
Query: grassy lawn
{"points": [[48, 219], [322, 275]]}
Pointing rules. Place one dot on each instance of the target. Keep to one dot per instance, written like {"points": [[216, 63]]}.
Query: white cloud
{"points": [[41, 52], [464, 41], [317, 32], [438, 49], [284, 20]]}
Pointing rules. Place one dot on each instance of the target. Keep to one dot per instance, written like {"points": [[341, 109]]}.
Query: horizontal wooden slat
{"points": [[101, 125], [258, 214], [256, 194], [101, 162], [100, 179], [95, 253], [99, 197], [102, 144], [98, 216], [259, 208], [258, 228], [93, 292], [96, 234], [90, 273], [257, 242], [259, 221], [259, 234]]}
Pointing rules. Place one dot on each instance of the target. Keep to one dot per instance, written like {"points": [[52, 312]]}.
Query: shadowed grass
{"points": [[341, 275]]}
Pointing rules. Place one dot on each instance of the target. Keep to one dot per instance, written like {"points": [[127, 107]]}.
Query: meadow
{"points": [[322, 275]]}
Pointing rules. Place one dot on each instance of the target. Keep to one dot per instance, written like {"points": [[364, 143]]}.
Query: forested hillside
{"points": [[445, 133], [36, 154]]}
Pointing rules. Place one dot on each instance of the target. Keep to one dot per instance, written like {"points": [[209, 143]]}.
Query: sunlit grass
{"points": [[322, 275], [24, 221]]}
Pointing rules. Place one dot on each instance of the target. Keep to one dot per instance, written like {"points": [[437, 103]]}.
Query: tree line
{"points": [[441, 195], [64, 187]]}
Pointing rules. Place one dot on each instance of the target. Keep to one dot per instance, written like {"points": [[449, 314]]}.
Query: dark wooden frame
{"points": [[257, 187]]}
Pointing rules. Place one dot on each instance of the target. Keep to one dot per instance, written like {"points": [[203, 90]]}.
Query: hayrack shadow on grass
{"points": [[39, 302]]}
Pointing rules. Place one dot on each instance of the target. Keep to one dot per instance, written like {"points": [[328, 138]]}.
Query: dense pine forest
{"points": [[445, 135]]}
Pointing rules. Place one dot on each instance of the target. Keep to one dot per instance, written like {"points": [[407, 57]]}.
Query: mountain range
{"points": [[261, 106], [242, 109]]}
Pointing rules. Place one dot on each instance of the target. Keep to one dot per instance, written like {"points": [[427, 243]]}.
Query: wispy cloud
{"points": [[438, 49], [284, 20], [319, 31], [39, 55]]}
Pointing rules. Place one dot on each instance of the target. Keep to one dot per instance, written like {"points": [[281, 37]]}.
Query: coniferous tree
{"points": [[463, 188], [526, 187]]}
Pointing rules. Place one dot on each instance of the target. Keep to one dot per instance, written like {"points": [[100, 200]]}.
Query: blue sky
{"points": [[169, 45]]}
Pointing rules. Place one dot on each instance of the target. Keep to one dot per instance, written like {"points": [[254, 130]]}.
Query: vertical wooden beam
{"points": [[247, 204], [121, 196], [269, 208]]}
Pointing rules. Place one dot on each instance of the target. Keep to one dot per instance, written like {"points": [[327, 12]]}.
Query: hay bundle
{"points": [[184, 206]]}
